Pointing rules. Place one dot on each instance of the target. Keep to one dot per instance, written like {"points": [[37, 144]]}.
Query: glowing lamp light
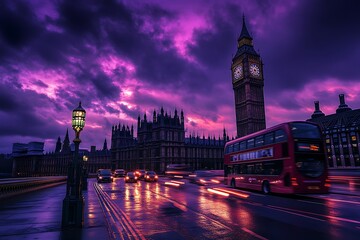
{"points": [[78, 118]]}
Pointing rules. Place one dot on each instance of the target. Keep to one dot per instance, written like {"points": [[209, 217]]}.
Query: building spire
{"points": [[66, 144], [245, 43], [58, 145], [244, 31], [105, 145]]}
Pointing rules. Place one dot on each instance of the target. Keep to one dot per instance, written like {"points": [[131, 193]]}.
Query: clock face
{"points": [[254, 70], [238, 72]]}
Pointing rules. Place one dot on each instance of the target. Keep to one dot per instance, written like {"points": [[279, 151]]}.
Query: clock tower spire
{"points": [[248, 86]]}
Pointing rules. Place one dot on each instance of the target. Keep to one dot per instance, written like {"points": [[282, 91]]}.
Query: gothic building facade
{"points": [[162, 141], [341, 132], [248, 84]]}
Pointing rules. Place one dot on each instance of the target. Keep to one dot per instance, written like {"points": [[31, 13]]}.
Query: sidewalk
{"points": [[37, 215]]}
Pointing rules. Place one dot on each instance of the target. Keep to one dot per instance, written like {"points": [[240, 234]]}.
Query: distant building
{"points": [[161, 142], [29, 159], [29, 149], [341, 132]]}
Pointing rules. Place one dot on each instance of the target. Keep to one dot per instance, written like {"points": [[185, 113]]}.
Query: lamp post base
{"points": [[73, 212]]}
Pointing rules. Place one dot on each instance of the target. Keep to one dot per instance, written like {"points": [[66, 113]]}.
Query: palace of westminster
{"points": [[161, 139]]}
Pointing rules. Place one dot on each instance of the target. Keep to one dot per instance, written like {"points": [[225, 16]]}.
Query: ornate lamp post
{"points": [[85, 174], [73, 203]]}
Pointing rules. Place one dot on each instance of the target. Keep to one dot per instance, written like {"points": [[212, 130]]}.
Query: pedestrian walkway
{"points": [[37, 215]]}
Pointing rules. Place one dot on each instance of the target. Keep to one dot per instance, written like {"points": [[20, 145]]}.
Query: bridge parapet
{"points": [[13, 186]]}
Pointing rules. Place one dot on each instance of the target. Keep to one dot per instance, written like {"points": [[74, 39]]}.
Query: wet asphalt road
{"points": [[189, 211]]}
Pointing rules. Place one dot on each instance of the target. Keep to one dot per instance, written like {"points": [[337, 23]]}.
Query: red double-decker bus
{"points": [[288, 158]]}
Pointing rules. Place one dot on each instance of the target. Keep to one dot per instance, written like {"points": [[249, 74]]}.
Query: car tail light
{"points": [[126, 177], [327, 183], [294, 182], [156, 176]]}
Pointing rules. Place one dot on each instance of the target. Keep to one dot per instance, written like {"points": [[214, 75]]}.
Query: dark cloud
{"points": [[19, 116], [79, 17], [18, 24], [215, 45], [8, 101], [316, 41], [104, 87], [54, 55]]}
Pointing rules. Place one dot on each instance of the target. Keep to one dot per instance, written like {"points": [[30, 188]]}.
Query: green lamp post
{"points": [[73, 203]]}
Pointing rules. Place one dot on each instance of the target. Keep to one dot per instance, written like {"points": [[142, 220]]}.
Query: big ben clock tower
{"points": [[248, 85]]}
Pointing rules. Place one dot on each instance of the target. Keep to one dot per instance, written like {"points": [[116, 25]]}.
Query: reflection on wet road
{"points": [[177, 209]]}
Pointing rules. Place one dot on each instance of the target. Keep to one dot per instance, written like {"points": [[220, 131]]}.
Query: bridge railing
{"points": [[14, 186]]}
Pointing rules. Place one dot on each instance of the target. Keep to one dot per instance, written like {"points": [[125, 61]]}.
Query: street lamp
{"points": [[73, 203], [85, 173]]}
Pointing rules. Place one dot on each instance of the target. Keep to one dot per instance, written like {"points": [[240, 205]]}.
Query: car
{"points": [[104, 175], [151, 176], [207, 177], [131, 177], [140, 174], [119, 173]]}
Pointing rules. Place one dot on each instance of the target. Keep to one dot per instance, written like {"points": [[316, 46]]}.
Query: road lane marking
{"points": [[311, 202], [344, 201], [253, 234], [316, 214], [297, 214]]}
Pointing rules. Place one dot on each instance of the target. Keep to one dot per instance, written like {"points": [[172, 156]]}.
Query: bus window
{"points": [[236, 147], [250, 143], [242, 169], [280, 136], [305, 130], [243, 145], [228, 149], [250, 168], [231, 148], [259, 141], [273, 167], [269, 138], [236, 169], [258, 168]]}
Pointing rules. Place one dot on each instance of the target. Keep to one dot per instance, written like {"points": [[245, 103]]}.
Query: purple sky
{"points": [[125, 58]]}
